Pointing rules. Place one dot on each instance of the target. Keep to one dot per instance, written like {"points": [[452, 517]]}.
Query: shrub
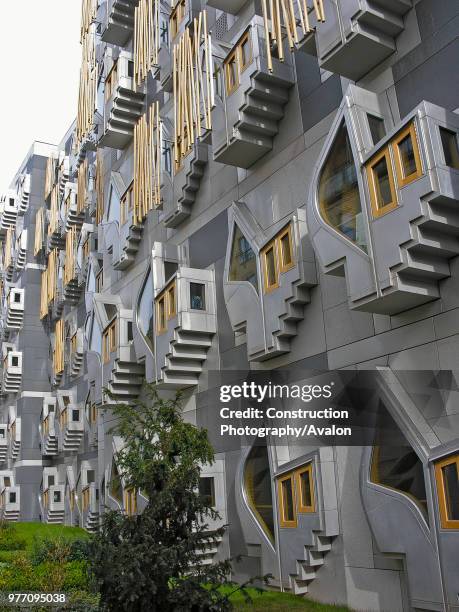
{"points": [[46, 549], [9, 539], [76, 575]]}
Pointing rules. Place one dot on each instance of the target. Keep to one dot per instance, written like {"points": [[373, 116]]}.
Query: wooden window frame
{"points": [[100, 281], [376, 210], [280, 267], [160, 328], [130, 501], [305, 509], [445, 522], [284, 523], [110, 81], [127, 203], [284, 267], [171, 301], [236, 55], [177, 16], [409, 130], [170, 306], [109, 340], [271, 246]]}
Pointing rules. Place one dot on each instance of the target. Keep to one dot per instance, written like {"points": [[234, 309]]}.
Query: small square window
{"points": [[407, 157], [2, 434], [7, 481], [381, 183], [450, 148], [197, 296]]}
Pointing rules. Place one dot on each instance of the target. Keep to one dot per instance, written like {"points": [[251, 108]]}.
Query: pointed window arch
{"points": [[338, 191], [243, 263], [258, 488], [145, 309]]}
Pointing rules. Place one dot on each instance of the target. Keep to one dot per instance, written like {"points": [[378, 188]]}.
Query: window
{"points": [[197, 296], [111, 81], [127, 203], [450, 148], [12, 497], [57, 497], [207, 490], [166, 307], [305, 489], [100, 281], [286, 495], [130, 502], [295, 492], [75, 416], [407, 158], [237, 61], [381, 183], [243, 263], [73, 343], [50, 481], [90, 476], [17, 298], [6, 481], [130, 334], [145, 309], [277, 257], [109, 343], [447, 477], [258, 488], [2, 434], [116, 490], [377, 129], [177, 16], [15, 361], [338, 192]]}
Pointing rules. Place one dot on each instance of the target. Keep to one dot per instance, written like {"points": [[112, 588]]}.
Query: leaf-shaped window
{"points": [[258, 488], [339, 196], [145, 309], [243, 264]]}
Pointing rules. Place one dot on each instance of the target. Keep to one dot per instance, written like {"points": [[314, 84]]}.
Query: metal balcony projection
{"points": [[90, 507], [185, 323], [358, 34], [23, 187], [123, 104], [21, 250], [73, 215], [246, 117], [48, 428], [8, 211], [12, 369], [3, 443], [76, 352], [394, 198], [14, 434], [122, 375], [267, 280], [10, 503], [15, 308], [53, 504], [71, 423], [119, 25], [185, 185]]}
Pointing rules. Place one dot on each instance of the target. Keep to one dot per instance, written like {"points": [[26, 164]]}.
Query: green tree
{"points": [[149, 561]]}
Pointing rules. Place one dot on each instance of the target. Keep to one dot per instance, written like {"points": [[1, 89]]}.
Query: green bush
{"points": [[9, 539], [46, 549], [82, 601], [76, 575]]}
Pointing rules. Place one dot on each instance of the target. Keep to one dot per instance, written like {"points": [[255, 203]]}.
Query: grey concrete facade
{"points": [[312, 227]]}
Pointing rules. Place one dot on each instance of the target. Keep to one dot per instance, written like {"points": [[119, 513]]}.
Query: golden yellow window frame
{"points": [[100, 281], [168, 296], [110, 80], [130, 502], [271, 246], [161, 321], [377, 210], [279, 264], [409, 130], [176, 18], [287, 231], [305, 469], [235, 55], [283, 522], [445, 521], [109, 340], [127, 203]]}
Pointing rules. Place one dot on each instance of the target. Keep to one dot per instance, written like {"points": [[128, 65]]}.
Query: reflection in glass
{"points": [[382, 183], [243, 264], [339, 196], [451, 485], [287, 500], [271, 275], [257, 483], [306, 488], [145, 310], [407, 158], [197, 296]]}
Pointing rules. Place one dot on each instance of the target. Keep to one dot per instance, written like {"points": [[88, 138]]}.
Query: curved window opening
{"points": [[395, 465], [257, 483], [145, 309], [243, 263], [339, 197]]}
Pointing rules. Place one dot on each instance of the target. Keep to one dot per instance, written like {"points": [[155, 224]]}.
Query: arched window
{"points": [[258, 488], [145, 309], [243, 264], [339, 197]]}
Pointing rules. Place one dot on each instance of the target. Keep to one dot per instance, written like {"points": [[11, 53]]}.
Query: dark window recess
{"points": [[377, 128], [243, 264], [258, 487], [197, 296], [130, 335], [17, 297], [12, 498], [130, 69], [15, 361], [207, 490], [90, 476], [170, 268], [75, 415], [50, 481], [2, 434], [57, 496], [450, 148]]}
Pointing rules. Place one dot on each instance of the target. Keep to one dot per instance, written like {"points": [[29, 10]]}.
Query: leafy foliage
{"points": [[149, 562]]}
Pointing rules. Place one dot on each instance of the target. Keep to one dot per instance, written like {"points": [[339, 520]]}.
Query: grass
{"points": [[30, 531], [274, 601]]}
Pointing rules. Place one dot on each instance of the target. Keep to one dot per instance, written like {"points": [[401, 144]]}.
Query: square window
{"points": [[207, 490], [381, 184], [377, 129], [197, 296], [450, 148], [17, 298], [2, 434], [7, 481], [15, 361], [407, 157], [90, 476]]}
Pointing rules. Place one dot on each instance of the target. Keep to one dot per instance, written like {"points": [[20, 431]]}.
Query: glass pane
{"points": [[451, 484], [271, 275], [197, 296], [377, 129], [50, 481], [145, 310], [286, 250], [407, 158], [12, 498], [339, 196], [306, 496], [206, 490], [90, 476], [232, 72], [257, 482], [161, 314], [245, 52], [171, 301], [243, 264], [57, 496], [287, 500], [382, 183], [450, 148]]}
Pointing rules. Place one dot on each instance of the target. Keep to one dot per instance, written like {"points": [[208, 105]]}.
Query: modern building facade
{"points": [[250, 185]]}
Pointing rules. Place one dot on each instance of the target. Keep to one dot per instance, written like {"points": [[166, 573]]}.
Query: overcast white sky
{"points": [[40, 51]]}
